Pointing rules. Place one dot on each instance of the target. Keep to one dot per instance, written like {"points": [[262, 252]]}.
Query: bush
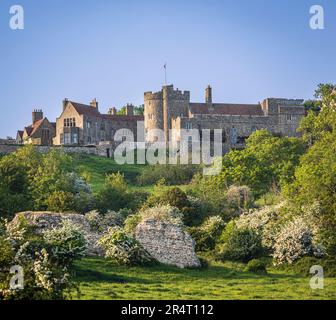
{"points": [[60, 201], [257, 266], [206, 236], [238, 244], [295, 240], [124, 249], [114, 195], [43, 278], [173, 175], [175, 197], [100, 223], [239, 197], [163, 213], [303, 266], [66, 243]]}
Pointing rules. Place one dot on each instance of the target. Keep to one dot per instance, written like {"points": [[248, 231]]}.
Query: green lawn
{"points": [[99, 167], [101, 280]]}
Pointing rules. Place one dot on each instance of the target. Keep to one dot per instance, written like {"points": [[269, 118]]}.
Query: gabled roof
{"points": [[83, 109], [227, 109], [34, 127], [20, 133]]}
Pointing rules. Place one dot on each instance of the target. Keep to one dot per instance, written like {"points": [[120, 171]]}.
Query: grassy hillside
{"points": [[99, 279], [99, 167]]}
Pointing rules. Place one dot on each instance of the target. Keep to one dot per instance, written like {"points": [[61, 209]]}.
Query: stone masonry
{"points": [[167, 243]]}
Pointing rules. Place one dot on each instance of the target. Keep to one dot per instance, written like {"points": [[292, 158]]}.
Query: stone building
{"points": [[81, 124], [171, 109], [41, 132]]}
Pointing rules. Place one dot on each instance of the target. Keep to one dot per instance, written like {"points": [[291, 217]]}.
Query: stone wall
{"points": [[167, 243]]}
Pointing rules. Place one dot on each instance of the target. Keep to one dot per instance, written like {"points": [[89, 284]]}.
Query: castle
{"points": [[168, 110], [171, 109]]}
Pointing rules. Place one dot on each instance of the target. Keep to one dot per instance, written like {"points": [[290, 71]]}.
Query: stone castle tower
{"points": [[164, 106]]}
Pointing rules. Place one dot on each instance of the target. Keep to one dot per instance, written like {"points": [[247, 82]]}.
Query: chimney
{"points": [[112, 111], [129, 110], [94, 103], [208, 95], [65, 103], [37, 115]]}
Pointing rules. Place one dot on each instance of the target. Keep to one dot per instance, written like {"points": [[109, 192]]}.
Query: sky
{"points": [[115, 50]]}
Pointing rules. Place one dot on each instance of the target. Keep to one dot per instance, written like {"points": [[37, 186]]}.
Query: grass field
{"points": [[101, 280], [99, 167]]}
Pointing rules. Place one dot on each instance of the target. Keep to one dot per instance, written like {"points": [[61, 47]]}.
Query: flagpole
{"points": [[165, 67]]}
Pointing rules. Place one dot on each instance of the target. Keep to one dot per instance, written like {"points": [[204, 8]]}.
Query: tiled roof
{"points": [[84, 109], [227, 109], [20, 133], [33, 128]]}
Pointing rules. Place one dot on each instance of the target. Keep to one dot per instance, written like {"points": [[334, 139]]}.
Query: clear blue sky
{"points": [[115, 50]]}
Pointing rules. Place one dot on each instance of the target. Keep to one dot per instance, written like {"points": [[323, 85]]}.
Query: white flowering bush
{"points": [[161, 213], [295, 240], [266, 222], [100, 223], [164, 213], [123, 249], [66, 243], [42, 278]]}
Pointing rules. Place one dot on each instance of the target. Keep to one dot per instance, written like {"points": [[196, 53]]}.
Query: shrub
{"points": [[206, 236], [43, 279], [123, 249], [303, 266], [173, 175], [163, 213], [239, 197], [100, 223], [238, 244], [67, 243], [295, 240], [175, 197], [114, 195], [60, 201], [257, 266]]}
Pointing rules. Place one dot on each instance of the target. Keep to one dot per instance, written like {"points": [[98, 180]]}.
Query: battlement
{"points": [[170, 92], [285, 102]]}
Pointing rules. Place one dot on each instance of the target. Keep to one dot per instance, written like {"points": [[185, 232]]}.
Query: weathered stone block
{"points": [[167, 243]]}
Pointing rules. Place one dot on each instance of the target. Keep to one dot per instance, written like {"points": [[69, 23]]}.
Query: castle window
{"points": [[67, 138], [188, 126], [75, 138], [289, 117]]}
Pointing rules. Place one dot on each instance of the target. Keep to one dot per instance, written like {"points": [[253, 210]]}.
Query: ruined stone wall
{"points": [[167, 243]]}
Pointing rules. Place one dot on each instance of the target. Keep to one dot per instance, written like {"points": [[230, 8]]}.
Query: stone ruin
{"points": [[164, 241], [167, 243], [47, 220]]}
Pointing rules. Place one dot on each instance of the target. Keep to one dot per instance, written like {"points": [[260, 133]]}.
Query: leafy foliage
{"points": [[239, 244], [123, 249]]}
